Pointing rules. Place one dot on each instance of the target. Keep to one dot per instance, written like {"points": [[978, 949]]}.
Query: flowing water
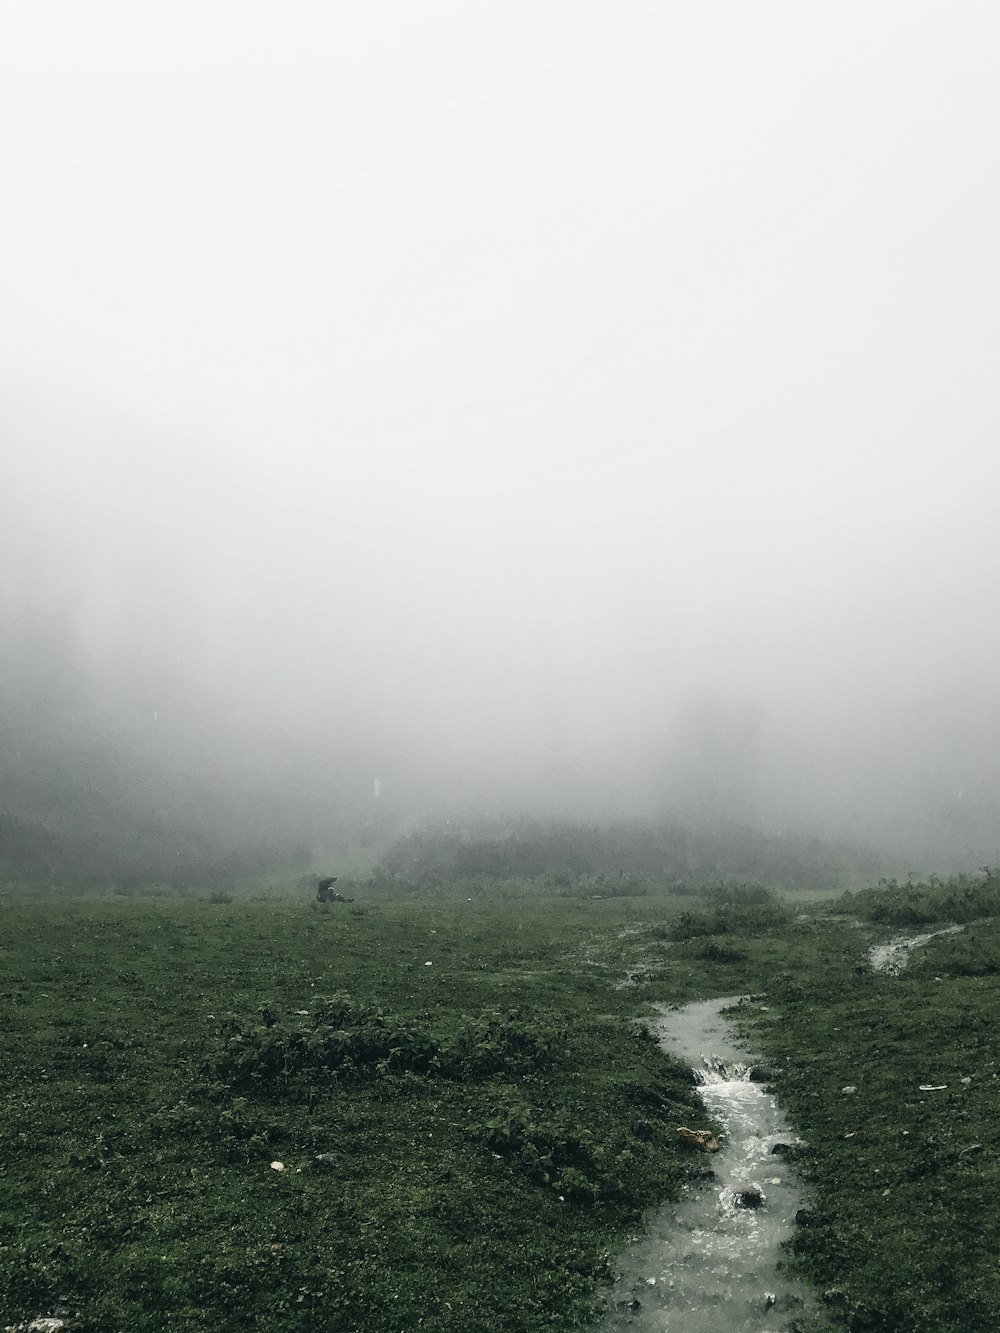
{"points": [[892, 957], [710, 1262]]}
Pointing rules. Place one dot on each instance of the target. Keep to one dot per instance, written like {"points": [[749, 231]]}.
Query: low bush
{"points": [[962, 898], [497, 1043], [345, 1039], [745, 910], [551, 1150], [739, 895], [712, 950]]}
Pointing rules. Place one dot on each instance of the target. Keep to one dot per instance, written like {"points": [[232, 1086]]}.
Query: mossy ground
{"points": [[905, 1229], [136, 1184], [904, 1170], [487, 1195]]}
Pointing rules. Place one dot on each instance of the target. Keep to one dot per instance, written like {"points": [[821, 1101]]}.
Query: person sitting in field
{"points": [[325, 893]]}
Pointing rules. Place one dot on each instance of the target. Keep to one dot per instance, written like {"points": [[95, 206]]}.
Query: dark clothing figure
{"points": [[325, 893]]}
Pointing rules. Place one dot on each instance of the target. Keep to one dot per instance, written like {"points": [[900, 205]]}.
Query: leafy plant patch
{"points": [[745, 910], [712, 950], [551, 1148], [346, 1039], [960, 899]]}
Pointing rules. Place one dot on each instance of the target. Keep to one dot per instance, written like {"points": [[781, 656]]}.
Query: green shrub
{"points": [[960, 899], [550, 1151], [745, 910], [713, 950], [345, 1039], [497, 1043]]}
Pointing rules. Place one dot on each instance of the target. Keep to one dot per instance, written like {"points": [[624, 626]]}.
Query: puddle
{"points": [[892, 956], [708, 1263]]}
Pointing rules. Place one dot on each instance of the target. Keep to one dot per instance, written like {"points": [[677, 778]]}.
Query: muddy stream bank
{"points": [[711, 1261]]}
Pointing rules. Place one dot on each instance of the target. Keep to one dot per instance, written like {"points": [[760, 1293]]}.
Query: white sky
{"points": [[485, 367]]}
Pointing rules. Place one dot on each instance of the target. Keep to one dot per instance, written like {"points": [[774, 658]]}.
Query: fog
{"points": [[578, 409]]}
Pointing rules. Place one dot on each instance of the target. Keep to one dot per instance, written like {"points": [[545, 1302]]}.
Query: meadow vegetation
{"points": [[893, 1082], [467, 1114], [625, 858], [959, 899]]}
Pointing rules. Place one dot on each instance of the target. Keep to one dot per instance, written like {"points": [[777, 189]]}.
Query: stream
{"points": [[710, 1262], [892, 956]]}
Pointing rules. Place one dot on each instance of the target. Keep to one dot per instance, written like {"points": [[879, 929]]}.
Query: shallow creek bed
{"points": [[713, 1260]]}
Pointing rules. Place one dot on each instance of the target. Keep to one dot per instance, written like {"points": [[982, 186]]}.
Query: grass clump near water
{"points": [[893, 1082]]}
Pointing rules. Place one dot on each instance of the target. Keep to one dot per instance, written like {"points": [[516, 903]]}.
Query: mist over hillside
{"points": [[99, 785], [576, 415]]}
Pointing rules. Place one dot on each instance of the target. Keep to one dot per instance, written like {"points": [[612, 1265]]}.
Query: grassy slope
{"points": [[136, 1187], [140, 1192], [905, 1225], [906, 1182]]}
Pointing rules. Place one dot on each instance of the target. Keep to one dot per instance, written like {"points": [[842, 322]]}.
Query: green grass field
{"points": [[137, 1185], [468, 1116]]}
